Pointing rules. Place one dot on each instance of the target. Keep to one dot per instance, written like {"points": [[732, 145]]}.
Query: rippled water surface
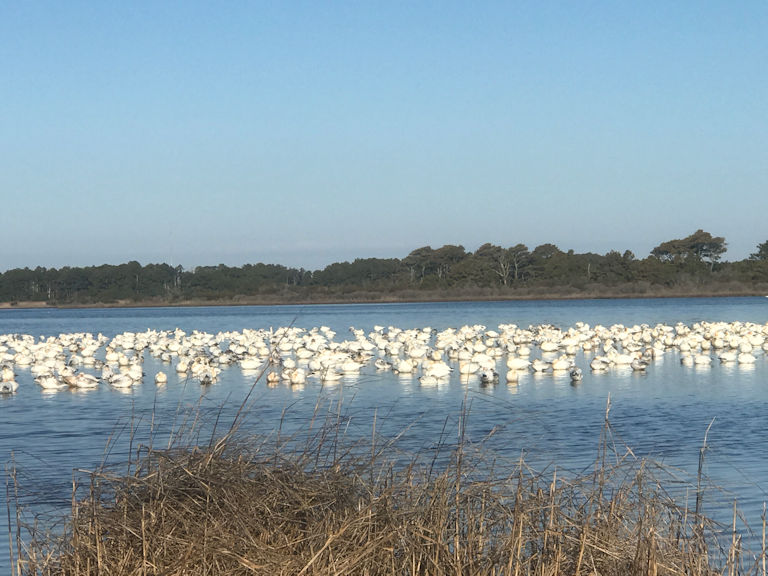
{"points": [[663, 413]]}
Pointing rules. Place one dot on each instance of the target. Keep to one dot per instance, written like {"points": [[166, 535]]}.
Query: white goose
{"points": [[576, 374], [561, 364], [8, 386], [50, 382], [746, 358], [517, 363], [539, 365], [513, 376], [121, 380]]}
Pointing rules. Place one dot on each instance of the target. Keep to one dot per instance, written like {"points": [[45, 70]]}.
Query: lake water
{"points": [[663, 413]]}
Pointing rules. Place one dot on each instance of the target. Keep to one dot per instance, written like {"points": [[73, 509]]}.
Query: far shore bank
{"points": [[410, 297]]}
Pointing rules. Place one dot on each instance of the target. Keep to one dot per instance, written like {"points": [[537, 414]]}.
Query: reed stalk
{"points": [[8, 501], [763, 551]]}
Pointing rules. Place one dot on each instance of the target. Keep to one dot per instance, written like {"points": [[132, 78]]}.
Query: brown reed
{"points": [[319, 507]]}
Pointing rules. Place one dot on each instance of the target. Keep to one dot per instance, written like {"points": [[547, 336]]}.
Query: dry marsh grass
{"points": [[319, 505]]}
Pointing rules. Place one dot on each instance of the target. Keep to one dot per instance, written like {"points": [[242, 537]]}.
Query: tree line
{"points": [[689, 265]]}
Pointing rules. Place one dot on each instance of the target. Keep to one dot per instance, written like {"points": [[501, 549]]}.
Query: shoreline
{"points": [[369, 299]]}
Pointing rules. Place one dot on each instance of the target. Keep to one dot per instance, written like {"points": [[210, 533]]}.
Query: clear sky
{"points": [[305, 133]]}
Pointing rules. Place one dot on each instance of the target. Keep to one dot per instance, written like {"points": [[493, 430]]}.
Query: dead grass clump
{"points": [[233, 509]]}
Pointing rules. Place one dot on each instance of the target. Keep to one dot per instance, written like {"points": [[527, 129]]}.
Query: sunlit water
{"points": [[663, 413]]}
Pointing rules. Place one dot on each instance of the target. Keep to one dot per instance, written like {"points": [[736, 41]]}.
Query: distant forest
{"points": [[687, 266]]}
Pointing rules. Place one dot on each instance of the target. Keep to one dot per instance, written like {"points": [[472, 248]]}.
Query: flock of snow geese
{"points": [[292, 355]]}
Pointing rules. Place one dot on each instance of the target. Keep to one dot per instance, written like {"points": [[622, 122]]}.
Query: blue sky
{"points": [[305, 133]]}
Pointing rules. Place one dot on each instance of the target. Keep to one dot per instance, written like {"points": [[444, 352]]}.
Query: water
{"points": [[662, 414], [340, 317]]}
